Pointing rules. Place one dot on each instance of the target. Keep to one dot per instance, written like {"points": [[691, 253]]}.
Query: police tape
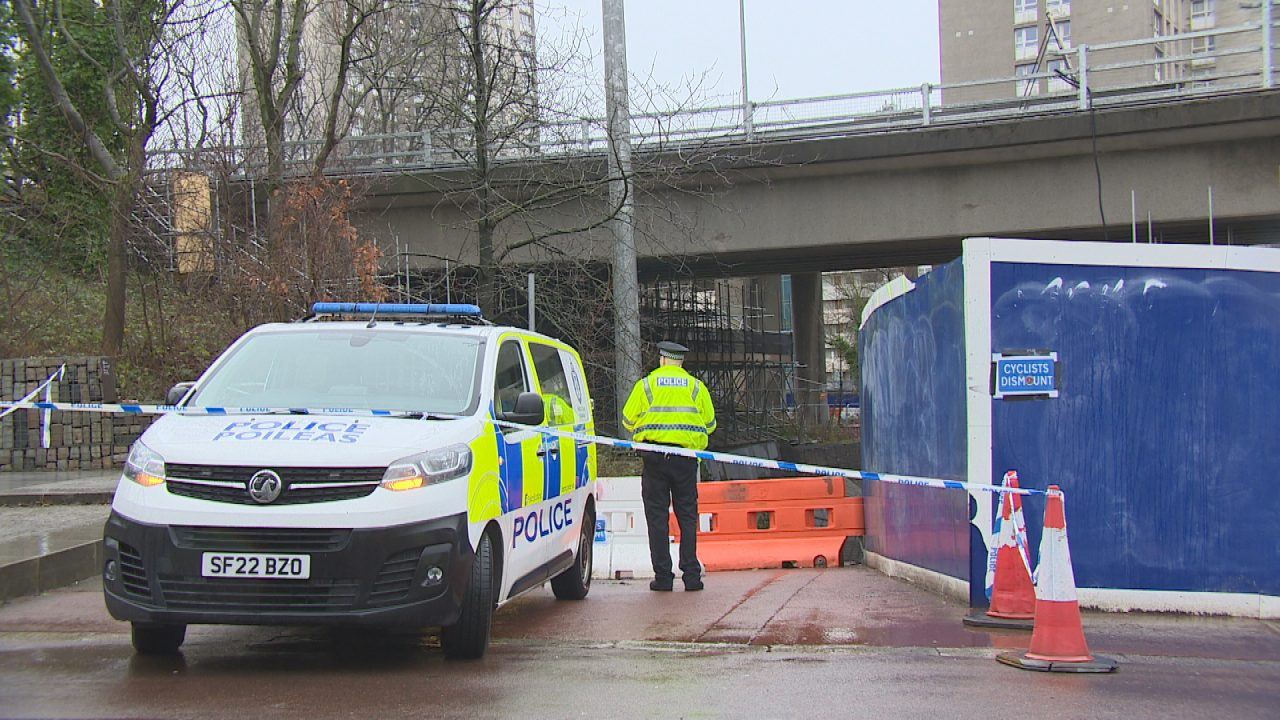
{"points": [[583, 437], [136, 409], [26, 400], [800, 468]]}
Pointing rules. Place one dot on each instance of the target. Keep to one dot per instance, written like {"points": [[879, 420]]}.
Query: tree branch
{"points": [[97, 149]]}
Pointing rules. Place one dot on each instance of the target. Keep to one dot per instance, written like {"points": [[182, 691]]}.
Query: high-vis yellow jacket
{"points": [[672, 407]]}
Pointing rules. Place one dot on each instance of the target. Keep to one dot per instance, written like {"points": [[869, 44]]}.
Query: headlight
{"points": [[144, 466], [428, 468]]}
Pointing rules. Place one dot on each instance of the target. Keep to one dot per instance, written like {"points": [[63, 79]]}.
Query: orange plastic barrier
{"points": [[803, 488], [798, 522]]}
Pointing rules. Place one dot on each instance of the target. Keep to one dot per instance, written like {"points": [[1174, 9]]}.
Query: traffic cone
{"points": [[1057, 643], [1013, 597]]}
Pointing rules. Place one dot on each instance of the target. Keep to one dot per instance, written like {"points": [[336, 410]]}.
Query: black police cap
{"points": [[672, 350]]}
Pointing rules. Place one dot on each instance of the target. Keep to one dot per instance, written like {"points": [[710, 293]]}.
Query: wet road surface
{"points": [[793, 643]]}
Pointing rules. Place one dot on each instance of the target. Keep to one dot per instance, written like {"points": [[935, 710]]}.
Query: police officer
{"points": [[671, 407]]}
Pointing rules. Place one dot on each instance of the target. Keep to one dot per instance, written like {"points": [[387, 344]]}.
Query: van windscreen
{"points": [[360, 368]]}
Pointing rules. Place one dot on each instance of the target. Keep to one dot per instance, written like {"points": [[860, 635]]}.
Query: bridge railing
{"points": [[1160, 68]]}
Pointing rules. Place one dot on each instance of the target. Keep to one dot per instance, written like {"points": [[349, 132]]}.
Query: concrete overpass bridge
{"points": [[845, 201], [869, 179]]}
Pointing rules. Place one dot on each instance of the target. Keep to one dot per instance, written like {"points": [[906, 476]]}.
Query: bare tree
{"points": [[522, 155], [498, 107], [488, 94], [342, 32], [141, 32], [304, 60], [308, 66], [397, 69], [269, 34]]}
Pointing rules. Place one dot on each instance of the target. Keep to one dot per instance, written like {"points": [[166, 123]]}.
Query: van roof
{"points": [[402, 325]]}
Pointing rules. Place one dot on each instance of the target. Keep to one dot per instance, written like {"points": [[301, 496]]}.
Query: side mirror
{"points": [[529, 410], [177, 392]]}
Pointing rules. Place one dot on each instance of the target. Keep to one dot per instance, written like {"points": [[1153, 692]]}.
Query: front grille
{"points": [[298, 483], [299, 596], [395, 577], [133, 574], [283, 540]]}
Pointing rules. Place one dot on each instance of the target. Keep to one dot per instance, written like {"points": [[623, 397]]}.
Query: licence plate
{"points": [[255, 565]]}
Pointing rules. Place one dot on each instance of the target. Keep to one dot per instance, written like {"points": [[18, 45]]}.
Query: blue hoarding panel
{"points": [[1164, 434], [913, 422]]}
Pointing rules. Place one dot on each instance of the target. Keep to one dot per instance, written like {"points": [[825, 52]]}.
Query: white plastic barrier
{"points": [[622, 542]]}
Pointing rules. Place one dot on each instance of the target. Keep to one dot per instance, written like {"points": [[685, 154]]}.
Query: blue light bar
{"points": [[438, 309]]}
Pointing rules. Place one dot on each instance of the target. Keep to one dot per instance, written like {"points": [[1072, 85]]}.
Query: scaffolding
{"points": [[739, 346], [739, 342]]}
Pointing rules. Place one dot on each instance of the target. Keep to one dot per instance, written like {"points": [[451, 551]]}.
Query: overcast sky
{"points": [[795, 48]]}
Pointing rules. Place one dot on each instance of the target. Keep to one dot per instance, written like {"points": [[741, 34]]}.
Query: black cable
{"points": [[1097, 169]]}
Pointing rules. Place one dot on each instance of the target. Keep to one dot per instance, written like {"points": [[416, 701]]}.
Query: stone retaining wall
{"points": [[78, 440]]}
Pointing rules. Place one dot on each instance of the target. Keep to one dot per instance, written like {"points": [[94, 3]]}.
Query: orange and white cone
{"points": [[1057, 643], [1013, 596]]}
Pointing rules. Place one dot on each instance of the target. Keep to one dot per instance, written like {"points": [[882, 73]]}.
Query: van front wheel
{"points": [[575, 583], [158, 639], [468, 638]]}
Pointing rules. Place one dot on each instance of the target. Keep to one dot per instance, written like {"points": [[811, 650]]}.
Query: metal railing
{"points": [[1167, 68]]}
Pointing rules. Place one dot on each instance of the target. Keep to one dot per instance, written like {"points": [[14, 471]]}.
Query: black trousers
{"points": [[671, 482]]}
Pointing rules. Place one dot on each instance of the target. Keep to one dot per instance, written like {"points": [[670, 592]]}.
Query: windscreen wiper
{"points": [[425, 416]]}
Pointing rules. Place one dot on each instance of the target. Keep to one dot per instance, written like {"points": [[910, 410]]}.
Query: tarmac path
{"points": [[833, 643]]}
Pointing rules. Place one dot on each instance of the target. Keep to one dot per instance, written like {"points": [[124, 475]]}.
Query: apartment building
{"points": [[844, 295], [1224, 59], [991, 39]]}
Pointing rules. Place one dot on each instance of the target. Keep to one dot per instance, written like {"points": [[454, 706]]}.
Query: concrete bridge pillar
{"points": [[810, 345]]}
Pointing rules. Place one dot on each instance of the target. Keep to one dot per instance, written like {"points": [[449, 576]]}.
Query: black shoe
{"points": [[661, 585], [692, 583]]}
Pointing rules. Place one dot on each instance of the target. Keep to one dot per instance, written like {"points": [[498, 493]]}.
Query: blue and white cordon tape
{"points": [[729, 458], [801, 468], [131, 409], [46, 388], [26, 400]]}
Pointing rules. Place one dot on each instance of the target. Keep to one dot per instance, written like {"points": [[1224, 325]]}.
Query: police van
{"points": [[357, 477]]}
